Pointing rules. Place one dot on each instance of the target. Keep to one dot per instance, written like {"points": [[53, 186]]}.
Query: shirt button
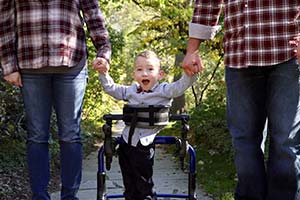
{"points": [[246, 5]]}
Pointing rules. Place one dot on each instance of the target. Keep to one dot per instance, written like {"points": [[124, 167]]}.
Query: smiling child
{"points": [[136, 153]]}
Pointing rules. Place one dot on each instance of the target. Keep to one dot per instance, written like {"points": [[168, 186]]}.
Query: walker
{"points": [[138, 116]]}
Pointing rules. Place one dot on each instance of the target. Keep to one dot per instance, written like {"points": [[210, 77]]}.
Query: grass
{"points": [[216, 174], [12, 154]]}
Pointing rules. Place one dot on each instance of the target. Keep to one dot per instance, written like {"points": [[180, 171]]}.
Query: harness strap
{"points": [[132, 127], [147, 121], [130, 108], [151, 115], [147, 117], [144, 116]]}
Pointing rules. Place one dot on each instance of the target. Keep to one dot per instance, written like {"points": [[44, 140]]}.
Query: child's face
{"points": [[147, 72]]}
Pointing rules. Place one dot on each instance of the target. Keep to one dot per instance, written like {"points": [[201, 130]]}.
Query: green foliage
{"points": [[12, 154], [213, 142], [96, 102], [167, 29], [11, 112], [209, 124]]}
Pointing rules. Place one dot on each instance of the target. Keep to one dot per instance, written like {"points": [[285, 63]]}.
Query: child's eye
{"points": [[138, 69]]}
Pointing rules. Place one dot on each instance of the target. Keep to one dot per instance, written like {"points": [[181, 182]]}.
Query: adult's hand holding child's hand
{"points": [[296, 44], [101, 65], [192, 63]]}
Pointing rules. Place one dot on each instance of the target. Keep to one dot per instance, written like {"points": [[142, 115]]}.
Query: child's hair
{"points": [[148, 54]]}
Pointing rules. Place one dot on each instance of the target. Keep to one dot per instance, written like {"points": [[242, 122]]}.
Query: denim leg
{"points": [[70, 165], [246, 116], [36, 93], [252, 95], [68, 98], [284, 130], [39, 169]]}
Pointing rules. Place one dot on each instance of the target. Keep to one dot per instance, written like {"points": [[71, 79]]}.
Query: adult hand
{"points": [[298, 53], [14, 78], [101, 65], [296, 44], [192, 63]]}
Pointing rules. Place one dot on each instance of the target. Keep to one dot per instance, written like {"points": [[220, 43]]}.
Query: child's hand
{"points": [[101, 65]]}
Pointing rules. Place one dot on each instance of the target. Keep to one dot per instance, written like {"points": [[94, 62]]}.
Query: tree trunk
{"points": [[179, 102]]}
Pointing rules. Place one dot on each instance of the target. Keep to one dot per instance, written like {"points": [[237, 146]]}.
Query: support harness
{"points": [[144, 116]]}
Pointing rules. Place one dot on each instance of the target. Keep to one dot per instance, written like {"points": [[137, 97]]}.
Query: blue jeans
{"points": [[254, 94], [64, 93]]}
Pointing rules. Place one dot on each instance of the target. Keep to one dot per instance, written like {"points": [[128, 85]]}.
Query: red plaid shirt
{"points": [[257, 32], [42, 33]]}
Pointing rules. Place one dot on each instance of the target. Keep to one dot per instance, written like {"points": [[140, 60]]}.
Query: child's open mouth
{"points": [[145, 82]]}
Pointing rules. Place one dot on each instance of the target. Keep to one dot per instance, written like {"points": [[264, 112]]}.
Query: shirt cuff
{"points": [[104, 77], [105, 53], [191, 79], [203, 32], [6, 70]]}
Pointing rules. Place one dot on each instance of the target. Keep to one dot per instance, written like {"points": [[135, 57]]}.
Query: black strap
{"points": [[132, 126], [151, 115], [147, 120], [130, 108]]}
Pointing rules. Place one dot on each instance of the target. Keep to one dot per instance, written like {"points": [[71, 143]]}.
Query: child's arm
{"points": [[110, 87], [177, 88]]}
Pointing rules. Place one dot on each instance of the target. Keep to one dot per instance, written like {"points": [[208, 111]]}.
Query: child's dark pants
{"points": [[137, 169]]}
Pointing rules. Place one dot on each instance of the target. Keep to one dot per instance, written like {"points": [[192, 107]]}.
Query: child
{"points": [[136, 157]]}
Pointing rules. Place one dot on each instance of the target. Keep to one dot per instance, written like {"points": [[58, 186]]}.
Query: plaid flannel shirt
{"points": [[257, 32], [42, 33]]}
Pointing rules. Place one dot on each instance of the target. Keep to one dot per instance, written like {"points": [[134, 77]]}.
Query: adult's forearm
{"points": [[7, 37], [96, 26], [193, 45]]}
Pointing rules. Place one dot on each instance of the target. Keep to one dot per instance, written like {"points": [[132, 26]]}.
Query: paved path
{"points": [[168, 177]]}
